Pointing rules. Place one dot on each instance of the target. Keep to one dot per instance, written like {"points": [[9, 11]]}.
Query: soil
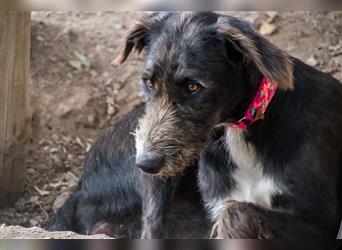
{"points": [[18, 232], [75, 92]]}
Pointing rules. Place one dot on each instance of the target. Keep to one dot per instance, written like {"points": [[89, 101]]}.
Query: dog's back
{"points": [[323, 95]]}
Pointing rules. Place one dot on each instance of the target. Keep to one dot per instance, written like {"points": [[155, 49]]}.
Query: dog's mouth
{"points": [[151, 171], [171, 171], [166, 168]]}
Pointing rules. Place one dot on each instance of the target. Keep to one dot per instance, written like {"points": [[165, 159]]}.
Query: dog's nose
{"points": [[150, 165]]}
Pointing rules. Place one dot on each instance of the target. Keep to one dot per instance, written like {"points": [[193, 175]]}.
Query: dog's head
{"points": [[201, 70]]}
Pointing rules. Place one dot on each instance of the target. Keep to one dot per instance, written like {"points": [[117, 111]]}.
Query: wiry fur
{"points": [[161, 132], [236, 221], [270, 60], [116, 198]]}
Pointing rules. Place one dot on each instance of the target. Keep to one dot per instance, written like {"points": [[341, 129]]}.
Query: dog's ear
{"points": [[270, 60], [137, 38]]}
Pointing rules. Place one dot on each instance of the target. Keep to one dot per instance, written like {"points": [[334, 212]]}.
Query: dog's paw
{"points": [[240, 220], [106, 228]]}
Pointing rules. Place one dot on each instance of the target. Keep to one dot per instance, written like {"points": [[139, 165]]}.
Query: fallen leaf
{"points": [[71, 179], [60, 200], [80, 61], [57, 184], [33, 222], [76, 64], [84, 61], [79, 142], [41, 192], [335, 47]]}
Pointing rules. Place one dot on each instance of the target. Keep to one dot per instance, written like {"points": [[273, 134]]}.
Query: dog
{"points": [[262, 127], [112, 192]]}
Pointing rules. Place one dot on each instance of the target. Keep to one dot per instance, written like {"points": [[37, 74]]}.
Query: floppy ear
{"points": [[270, 60], [137, 37]]}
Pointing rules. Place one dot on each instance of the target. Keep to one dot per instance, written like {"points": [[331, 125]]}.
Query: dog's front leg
{"points": [[158, 192], [240, 220]]}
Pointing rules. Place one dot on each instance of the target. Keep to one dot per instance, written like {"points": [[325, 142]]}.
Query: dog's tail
{"points": [[64, 219]]}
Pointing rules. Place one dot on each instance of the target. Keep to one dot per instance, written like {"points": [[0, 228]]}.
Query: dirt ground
{"points": [[75, 92]]}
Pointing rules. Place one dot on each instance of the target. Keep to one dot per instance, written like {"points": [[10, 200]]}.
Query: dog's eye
{"points": [[148, 83], [193, 87]]}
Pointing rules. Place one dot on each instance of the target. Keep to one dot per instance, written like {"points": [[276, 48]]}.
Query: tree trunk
{"points": [[15, 117]]}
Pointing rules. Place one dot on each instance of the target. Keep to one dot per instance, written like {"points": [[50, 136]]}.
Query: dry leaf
{"points": [[59, 201], [79, 142], [57, 184], [41, 192]]}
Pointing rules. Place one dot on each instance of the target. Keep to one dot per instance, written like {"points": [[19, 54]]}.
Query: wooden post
{"points": [[15, 116]]}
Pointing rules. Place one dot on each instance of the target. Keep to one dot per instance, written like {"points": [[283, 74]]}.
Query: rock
{"points": [[18, 232], [271, 16], [312, 61], [267, 28]]}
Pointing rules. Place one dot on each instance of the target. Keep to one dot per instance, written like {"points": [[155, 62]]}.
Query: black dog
{"points": [[275, 176], [112, 192]]}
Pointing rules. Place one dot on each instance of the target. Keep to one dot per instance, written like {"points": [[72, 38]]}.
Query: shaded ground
{"points": [[18, 232], [75, 92]]}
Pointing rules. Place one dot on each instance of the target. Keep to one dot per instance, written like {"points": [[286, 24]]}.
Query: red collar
{"points": [[258, 106]]}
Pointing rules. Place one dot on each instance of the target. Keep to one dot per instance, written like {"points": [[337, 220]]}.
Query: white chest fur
{"points": [[251, 184]]}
